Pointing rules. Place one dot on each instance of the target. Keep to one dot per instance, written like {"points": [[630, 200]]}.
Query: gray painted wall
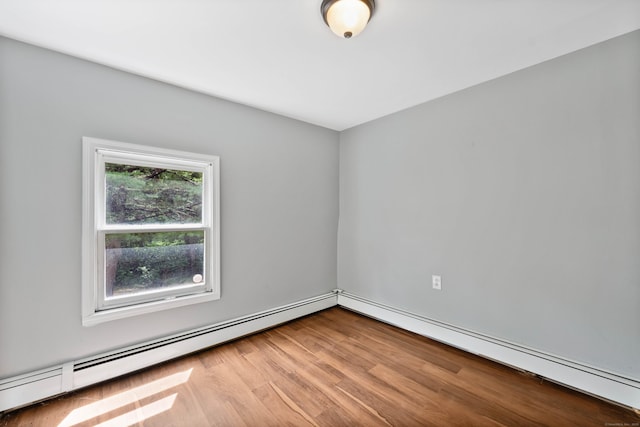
{"points": [[523, 193], [279, 201]]}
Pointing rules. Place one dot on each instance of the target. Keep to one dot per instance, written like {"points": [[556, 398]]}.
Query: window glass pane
{"points": [[139, 262], [146, 195]]}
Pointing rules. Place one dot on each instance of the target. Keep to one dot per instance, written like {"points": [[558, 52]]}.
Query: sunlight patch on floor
{"points": [[127, 397], [141, 414]]}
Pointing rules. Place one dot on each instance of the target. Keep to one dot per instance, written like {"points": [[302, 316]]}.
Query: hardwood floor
{"points": [[333, 368]]}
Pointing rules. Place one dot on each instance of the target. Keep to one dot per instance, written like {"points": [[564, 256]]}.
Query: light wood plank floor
{"points": [[333, 368]]}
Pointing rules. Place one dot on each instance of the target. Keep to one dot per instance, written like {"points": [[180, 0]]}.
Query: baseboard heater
{"points": [[35, 386], [29, 388], [587, 379]]}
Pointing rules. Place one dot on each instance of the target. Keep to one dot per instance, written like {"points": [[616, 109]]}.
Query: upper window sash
{"points": [[106, 156]]}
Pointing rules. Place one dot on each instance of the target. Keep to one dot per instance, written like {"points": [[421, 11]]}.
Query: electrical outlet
{"points": [[436, 282]]}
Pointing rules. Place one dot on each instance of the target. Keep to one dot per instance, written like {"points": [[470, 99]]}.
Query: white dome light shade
{"points": [[347, 18]]}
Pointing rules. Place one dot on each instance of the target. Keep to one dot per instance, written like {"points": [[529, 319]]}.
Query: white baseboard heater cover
{"points": [[590, 380], [32, 387], [23, 389]]}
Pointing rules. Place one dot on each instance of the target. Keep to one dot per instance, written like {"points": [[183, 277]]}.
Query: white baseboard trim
{"points": [[35, 386], [31, 387], [590, 380]]}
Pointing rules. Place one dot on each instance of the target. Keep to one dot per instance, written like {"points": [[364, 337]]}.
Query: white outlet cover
{"points": [[436, 282]]}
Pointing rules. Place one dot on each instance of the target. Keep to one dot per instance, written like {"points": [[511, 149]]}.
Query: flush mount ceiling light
{"points": [[347, 18]]}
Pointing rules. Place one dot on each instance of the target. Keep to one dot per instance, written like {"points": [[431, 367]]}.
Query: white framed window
{"points": [[151, 229]]}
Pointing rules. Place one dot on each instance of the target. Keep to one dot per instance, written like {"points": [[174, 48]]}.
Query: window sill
{"points": [[97, 317]]}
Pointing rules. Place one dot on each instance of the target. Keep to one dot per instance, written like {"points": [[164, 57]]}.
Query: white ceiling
{"points": [[278, 55]]}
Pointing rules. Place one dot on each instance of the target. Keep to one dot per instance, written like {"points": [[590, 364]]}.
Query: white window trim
{"points": [[95, 151]]}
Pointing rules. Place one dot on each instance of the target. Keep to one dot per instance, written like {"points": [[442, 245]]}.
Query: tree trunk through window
{"points": [[112, 257]]}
